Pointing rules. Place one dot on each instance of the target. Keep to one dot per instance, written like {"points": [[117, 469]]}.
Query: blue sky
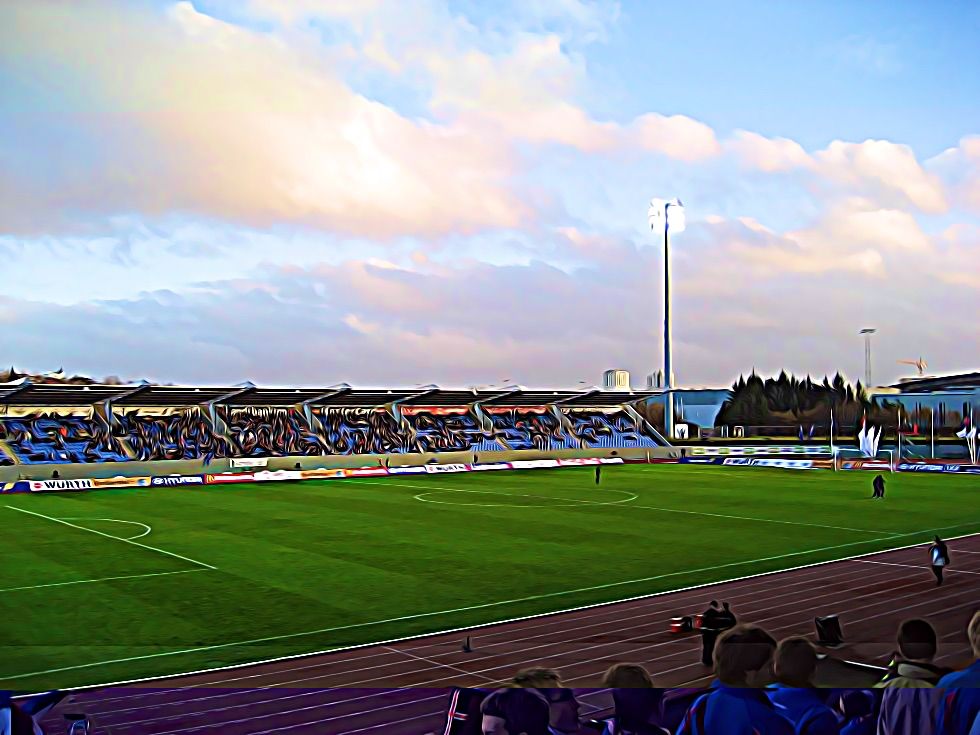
{"points": [[398, 192]]}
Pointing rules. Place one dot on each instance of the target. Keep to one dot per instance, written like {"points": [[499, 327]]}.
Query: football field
{"points": [[114, 585]]}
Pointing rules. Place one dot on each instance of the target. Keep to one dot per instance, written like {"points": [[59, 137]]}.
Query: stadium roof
{"points": [[27, 394]]}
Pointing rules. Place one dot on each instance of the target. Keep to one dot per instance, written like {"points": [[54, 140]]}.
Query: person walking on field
{"points": [[879, 487], [598, 473], [939, 558]]}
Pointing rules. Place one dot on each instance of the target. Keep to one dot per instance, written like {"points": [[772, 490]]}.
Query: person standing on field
{"points": [[879, 487], [939, 558], [598, 473]]}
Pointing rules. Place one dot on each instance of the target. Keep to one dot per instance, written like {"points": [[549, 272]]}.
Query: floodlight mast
{"points": [[660, 214]]}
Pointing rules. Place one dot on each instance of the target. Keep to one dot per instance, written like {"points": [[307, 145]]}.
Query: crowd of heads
{"points": [[761, 686], [278, 432]]}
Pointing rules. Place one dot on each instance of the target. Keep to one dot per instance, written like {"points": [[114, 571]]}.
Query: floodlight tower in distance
{"points": [[867, 332], [667, 216]]}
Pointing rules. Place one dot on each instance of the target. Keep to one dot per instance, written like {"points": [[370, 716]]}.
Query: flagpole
{"points": [[832, 452], [932, 433]]}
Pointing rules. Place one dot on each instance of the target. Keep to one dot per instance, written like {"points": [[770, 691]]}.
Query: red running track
{"points": [[402, 688]]}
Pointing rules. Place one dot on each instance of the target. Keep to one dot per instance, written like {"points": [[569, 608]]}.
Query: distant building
{"points": [[616, 380], [655, 380]]}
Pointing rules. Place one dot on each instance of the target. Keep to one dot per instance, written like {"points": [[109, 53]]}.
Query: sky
{"points": [[404, 192]]}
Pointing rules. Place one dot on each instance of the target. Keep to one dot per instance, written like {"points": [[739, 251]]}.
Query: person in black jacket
{"points": [[879, 487], [939, 558]]}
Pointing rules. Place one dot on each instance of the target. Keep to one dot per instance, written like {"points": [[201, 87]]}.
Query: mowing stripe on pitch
{"points": [[482, 606], [116, 538]]}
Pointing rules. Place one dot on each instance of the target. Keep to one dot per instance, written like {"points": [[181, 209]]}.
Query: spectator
{"points": [[910, 705], [737, 705], [912, 668], [515, 711], [961, 701], [637, 702], [857, 713], [795, 666], [562, 703]]}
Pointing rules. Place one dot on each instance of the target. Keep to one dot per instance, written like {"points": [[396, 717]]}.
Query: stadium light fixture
{"points": [[667, 216]]}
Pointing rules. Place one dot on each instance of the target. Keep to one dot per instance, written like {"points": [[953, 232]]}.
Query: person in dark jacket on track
{"points": [[939, 559]]}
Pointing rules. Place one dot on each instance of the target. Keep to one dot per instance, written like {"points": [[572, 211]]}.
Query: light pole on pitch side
{"points": [[667, 216]]}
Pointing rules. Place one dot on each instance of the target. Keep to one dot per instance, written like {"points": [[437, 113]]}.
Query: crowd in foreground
{"points": [[761, 687]]}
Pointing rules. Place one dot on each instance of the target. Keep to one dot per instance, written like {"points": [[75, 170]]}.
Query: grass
{"points": [[318, 565]]}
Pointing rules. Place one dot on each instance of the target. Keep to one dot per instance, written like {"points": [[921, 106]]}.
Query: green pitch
{"points": [[212, 576]]}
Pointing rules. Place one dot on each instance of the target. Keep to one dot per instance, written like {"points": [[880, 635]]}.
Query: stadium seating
{"points": [[609, 430], [269, 431]]}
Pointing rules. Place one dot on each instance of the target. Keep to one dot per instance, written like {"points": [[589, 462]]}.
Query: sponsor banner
{"points": [[702, 460], [321, 474], [20, 486], [366, 472], [277, 475], [176, 480], [786, 464], [229, 479], [45, 486], [434, 410], [758, 450], [121, 482], [945, 468], [579, 462], [533, 464], [611, 460], [437, 468], [406, 470], [522, 409], [491, 466], [250, 462]]}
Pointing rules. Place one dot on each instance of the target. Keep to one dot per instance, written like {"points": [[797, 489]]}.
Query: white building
{"points": [[616, 380]]}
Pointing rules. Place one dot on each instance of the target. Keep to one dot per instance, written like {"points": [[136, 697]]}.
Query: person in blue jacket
{"points": [[961, 701], [795, 666], [737, 703]]}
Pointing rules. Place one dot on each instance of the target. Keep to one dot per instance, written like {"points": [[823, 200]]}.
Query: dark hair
{"points": [[740, 651], [537, 678], [627, 676], [523, 710], [856, 703], [796, 662], [917, 640]]}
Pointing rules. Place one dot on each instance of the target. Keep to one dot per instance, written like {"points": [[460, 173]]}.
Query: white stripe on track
{"points": [[910, 566]]}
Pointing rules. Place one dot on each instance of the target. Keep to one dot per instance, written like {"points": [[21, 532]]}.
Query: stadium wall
{"points": [[197, 467]]}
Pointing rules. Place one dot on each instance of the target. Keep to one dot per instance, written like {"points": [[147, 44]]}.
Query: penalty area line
{"points": [[116, 538], [100, 579], [483, 606]]}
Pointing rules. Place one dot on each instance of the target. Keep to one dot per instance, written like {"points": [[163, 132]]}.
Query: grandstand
{"points": [[51, 424]]}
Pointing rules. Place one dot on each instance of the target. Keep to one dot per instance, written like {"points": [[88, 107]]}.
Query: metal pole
{"points": [[932, 432], [668, 371], [867, 361]]}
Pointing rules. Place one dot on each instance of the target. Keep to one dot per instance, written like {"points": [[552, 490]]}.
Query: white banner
{"points": [[267, 476], [435, 468], [491, 466], [533, 464], [406, 470], [250, 462], [40, 486]]}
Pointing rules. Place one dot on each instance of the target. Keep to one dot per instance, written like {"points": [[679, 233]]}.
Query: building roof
{"points": [[961, 381]]}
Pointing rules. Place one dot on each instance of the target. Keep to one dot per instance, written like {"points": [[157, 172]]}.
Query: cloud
{"points": [[678, 136], [874, 167], [959, 168], [220, 120], [868, 54]]}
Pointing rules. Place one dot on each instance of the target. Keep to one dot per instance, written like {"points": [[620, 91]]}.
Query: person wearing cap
{"points": [[737, 703]]}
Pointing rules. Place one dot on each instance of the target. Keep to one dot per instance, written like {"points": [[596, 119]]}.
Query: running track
{"points": [[401, 689]]}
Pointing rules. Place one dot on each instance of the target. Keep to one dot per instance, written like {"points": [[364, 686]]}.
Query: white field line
{"points": [[99, 579], [474, 607], [446, 488], [603, 613], [147, 532], [116, 538], [417, 616], [911, 566], [439, 664]]}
